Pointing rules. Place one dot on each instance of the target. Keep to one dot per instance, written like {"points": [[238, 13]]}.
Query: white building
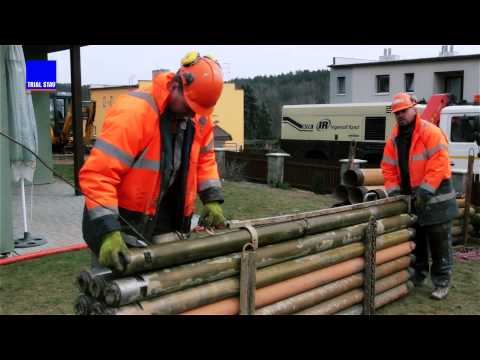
{"points": [[360, 80]]}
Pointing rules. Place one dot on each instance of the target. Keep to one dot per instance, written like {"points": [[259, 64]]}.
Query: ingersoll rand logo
{"points": [[323, 124]]}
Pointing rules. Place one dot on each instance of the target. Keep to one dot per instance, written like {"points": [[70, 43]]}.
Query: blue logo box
{"points": [[41, 75]]}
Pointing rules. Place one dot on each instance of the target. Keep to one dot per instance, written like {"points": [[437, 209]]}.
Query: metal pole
{"points": [[468, 195], [369, 270], [76, 86]]}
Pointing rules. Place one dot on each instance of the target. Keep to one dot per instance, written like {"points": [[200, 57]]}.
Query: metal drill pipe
{"points": [[355, 296], [476, 220], [130, 289], [83, 305], [382, 299], [461, 212], [187, 299], [181, 252], [284, 289], [83, 281], [341, 193], [356, 195], [97, 286], [309, 298], [459, 230], [363, 177]]}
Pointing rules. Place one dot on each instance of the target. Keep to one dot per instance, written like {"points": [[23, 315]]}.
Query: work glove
{"points": [[394, 193], [112, 245], [422, 197], [212, 215]]}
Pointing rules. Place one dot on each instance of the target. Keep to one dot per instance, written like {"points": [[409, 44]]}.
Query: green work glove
{"points": [[422, 197], [212, 215], [112, 245]]}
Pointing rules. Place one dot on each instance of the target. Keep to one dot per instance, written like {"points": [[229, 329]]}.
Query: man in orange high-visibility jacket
{"points": [[416, 162], [154, 154]]}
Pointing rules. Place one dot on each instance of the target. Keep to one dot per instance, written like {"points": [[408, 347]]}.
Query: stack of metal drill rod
{"points": [[458, 224], [306, 263], [360, 185]]}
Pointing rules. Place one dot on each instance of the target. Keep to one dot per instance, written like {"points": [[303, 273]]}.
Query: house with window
{"points": [[361, 80]]}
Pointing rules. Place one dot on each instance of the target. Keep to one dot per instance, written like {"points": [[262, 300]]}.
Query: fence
{"points": [[255, 166], [301, 174]]}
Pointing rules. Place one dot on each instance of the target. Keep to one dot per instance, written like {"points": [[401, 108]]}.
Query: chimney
{"points": [[388, 56]]}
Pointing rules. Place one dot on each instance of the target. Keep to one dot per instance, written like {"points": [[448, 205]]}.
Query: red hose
{"points": [[38, 254]]}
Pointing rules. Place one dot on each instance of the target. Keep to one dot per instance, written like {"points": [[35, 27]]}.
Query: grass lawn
{"points": [[46, 285]]}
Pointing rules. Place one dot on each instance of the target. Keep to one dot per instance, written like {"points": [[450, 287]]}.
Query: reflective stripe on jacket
{"points": [[126, 169]]}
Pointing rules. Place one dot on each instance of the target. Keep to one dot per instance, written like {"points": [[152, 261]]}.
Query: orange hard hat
{"points": [[202, 80], [402, 101]]}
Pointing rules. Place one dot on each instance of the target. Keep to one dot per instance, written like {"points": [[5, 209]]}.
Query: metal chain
{"points": [[370, 241]]}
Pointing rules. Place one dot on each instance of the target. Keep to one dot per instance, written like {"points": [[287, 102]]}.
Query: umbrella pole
{"points": [[28, 240], [24, 205]]}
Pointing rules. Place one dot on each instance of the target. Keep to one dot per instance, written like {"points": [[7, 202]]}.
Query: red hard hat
{"points": [[202, 80], [402, 101]]}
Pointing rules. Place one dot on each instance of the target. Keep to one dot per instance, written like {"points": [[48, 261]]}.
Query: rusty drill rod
{"points": [[284, 289], [191, 298], [325, 292], [363, 177], [382, 299], [182, 252], [127, 290], [355, 296]]}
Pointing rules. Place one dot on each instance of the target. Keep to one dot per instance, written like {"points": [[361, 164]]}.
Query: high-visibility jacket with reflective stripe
{"points": [[429, 169], [125, 169]]}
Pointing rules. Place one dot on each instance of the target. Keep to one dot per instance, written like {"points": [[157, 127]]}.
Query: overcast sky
{"points": [[126, 64]]}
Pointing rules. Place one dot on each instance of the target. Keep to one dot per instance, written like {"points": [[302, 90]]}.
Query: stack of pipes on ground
{"points": [[313, 263], [360, 185]]}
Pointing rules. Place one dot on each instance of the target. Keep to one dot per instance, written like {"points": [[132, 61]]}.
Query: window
{"points": [[375, 128], [104, 101], [111, 100], [463, 128], [409, 85], [340, 85], [383, 84]]}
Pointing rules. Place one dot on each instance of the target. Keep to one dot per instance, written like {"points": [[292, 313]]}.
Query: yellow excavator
{"points": [[61, 133]]}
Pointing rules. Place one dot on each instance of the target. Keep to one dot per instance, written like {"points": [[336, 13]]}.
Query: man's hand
{"points": [[112, 245], [422, 197], [212, 215]]}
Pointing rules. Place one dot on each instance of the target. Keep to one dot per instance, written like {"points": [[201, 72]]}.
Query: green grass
{"points": [[463, 298], [42, 286], [64, 170], [47, 285]]}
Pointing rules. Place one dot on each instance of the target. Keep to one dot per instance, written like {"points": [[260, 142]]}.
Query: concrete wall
{"points": [[41, 105], [228, 111], [6, 232], [363, 79]]}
